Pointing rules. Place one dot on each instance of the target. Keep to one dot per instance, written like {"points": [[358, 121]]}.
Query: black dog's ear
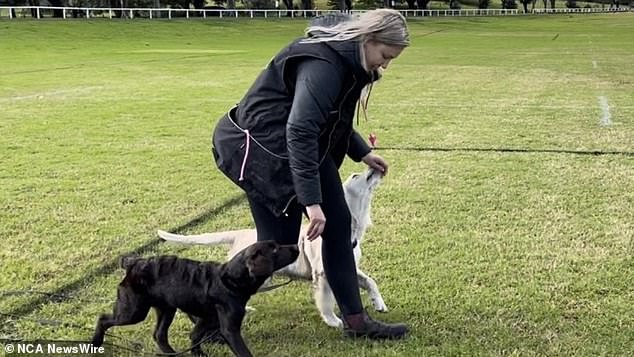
{"points": [[259, 265]]}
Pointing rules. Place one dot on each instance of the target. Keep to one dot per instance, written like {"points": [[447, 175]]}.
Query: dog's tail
{"points": [[137, 271], [217, 238], [127, 261]]}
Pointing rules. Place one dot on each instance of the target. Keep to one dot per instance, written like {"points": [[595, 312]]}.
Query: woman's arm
{"points": [[317, 87], [357, 147]]}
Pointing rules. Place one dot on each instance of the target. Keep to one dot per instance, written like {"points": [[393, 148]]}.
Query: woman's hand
{"points": [[317, 221], [376, 162]]}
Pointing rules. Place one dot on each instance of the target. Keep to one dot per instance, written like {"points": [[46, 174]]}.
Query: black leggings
{"points": [[336, 250]]}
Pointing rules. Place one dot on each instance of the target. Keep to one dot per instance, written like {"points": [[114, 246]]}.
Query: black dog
{"points": [[213, 294]]}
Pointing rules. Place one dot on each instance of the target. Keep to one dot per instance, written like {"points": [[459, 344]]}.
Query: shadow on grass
{"points": [[509, 150], [108, 268]]}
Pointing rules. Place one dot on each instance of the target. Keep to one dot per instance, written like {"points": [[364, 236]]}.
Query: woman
{"points": [[286, 139]]}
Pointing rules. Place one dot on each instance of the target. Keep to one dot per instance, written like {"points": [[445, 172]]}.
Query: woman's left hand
{"points": [[376, 162]]}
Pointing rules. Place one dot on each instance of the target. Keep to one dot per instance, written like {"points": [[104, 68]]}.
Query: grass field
{"points": [[504, 228]]}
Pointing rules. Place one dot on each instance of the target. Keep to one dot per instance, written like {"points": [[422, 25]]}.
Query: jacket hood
{"points": [[350, 51]]}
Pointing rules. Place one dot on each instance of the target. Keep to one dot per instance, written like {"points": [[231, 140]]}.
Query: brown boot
{"points": [[362, 325]]}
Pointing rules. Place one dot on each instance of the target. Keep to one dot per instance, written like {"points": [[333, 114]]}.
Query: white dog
{"points": [[358, 190]]}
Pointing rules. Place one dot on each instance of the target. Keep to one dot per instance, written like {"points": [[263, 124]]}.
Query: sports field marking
{"points": [[605, 109], [63, 93], [185, 50]]}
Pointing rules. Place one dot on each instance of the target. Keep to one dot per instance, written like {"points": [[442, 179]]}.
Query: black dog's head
{"points": [[253, 265]]}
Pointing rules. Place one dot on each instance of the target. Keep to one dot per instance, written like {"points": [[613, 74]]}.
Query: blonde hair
{"points": [[387, 26]]}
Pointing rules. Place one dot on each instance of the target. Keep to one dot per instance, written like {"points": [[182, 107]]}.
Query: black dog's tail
{"points": [[127, 261], [137, 271]]}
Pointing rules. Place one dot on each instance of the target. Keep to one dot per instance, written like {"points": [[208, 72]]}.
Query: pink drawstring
{"points": [[246, 154]]}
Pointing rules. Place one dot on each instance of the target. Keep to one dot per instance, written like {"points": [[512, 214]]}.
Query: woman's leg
{"points": [[337, 254], [283, 229]]}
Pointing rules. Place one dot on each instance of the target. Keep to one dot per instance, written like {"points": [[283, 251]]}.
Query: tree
{"points": [[422, 4], [33, 3], [307, 4], [343, 5], [417, 4], [289, 7], [258, 4], [57, 12], [12, 3]]}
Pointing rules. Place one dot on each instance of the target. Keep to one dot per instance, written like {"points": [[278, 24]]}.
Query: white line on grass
{"points": [[605, 109], [594, 64], [63, 93]]}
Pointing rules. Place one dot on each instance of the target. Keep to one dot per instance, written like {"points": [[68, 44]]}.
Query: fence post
{"points": [[87, 13], [169, 13], [64, 14]]}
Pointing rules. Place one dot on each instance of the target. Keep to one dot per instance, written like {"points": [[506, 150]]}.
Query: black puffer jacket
{"points": [[299, 110]]}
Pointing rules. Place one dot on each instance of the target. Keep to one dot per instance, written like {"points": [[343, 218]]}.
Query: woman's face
{"points": [[378, 54]]}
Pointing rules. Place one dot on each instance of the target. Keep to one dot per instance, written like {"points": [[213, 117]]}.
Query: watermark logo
{"points": [[52, 348]]}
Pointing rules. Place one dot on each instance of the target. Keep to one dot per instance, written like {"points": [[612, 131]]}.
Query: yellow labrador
{"points": [[358, 189]]}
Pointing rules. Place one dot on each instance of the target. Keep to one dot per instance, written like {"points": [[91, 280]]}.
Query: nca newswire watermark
{"points": [[52, 348]]}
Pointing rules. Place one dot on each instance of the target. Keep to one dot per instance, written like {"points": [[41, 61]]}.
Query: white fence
{"points": [[579, 10], [40, 12]]}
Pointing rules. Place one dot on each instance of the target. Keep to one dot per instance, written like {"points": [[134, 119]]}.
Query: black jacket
{"points": [[299, 111]]}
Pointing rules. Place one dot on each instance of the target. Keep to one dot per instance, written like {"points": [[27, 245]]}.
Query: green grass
{"points": [[498, 231]]}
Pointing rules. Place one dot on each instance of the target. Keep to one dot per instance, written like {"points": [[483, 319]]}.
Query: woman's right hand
{"points": [[317, 221]]}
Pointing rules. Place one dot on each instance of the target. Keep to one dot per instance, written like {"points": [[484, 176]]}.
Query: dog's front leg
{"points": [[206, 329], [368, 284], [103, 324], [230, 318]]}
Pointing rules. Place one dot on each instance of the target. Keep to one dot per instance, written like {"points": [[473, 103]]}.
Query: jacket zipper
{"points": [[354, 83]]}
